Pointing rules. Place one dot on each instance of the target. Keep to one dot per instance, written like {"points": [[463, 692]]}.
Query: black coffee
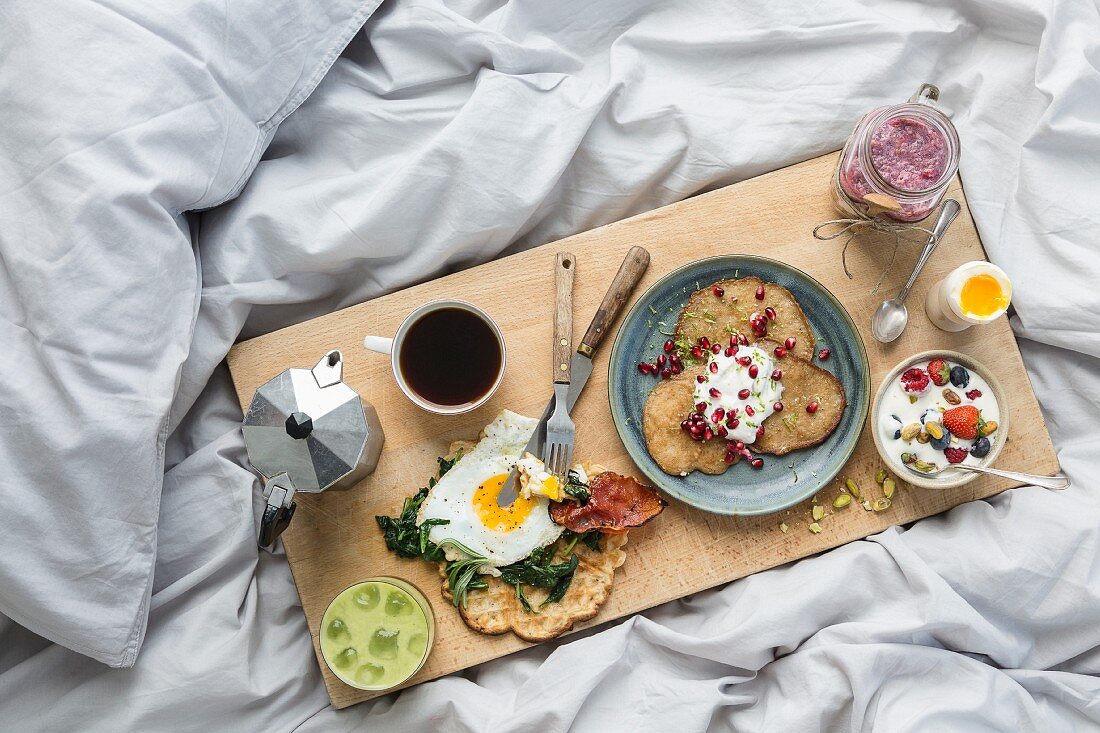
{"points": [[450, 357]]}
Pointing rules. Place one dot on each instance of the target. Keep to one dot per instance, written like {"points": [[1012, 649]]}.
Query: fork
{"points": [[560, 430], [1055, 483]]}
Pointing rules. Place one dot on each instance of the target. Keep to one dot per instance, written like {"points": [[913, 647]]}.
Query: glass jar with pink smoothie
{"points": [[898, 161]]}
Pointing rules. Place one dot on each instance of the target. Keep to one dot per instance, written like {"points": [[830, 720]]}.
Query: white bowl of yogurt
{"points": [[905, 418]]}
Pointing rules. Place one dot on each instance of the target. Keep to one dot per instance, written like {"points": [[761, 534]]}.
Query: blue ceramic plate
{"points": [[741, 489]]}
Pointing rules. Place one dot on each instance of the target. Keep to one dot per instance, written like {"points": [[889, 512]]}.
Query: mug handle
{"points": [[379, 344]]}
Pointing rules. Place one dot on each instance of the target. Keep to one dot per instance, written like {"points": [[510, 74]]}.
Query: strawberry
{"points": [[915, 381], [939, 371], [963, 421], [955, 455]]}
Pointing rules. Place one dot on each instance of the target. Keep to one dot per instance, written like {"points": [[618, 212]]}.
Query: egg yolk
{"points": [[982, 296], [495, 517]]}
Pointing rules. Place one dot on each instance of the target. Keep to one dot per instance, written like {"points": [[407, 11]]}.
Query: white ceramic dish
{"points": [[947, 479]]}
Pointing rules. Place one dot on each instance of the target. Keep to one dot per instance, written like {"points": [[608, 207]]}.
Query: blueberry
{"points": [[930, 414], [959, 376], [941, 443], [980, 448]]}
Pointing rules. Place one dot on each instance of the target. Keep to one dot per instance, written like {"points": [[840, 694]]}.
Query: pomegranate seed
{"points": [[685, 424], [770, 313], [696, 352], [778, 407], [749, 411], [746, 454], [743, 339], [716, 349], [674, 359], [707, 433], [669, 345], [812, 407], [824, 354], [744, 360], [701, 407], [732, 423], [730, 351], [744, 394], [734, 342], [790, 342], [676, 368], [760, 432], [757, 463], [718, 292], [644, 367], [780, 351], [704, 342], [713, 367], [777, 374], [661, 359], [666, 373], [715, 392], [729, 457], [719, 413], [753, 371], [739, 446], [701, 378], [696, 431], [760, 293], [721, 430]]}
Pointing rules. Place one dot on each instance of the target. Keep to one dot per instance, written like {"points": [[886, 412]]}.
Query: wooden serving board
{"points": [[334, 541]]}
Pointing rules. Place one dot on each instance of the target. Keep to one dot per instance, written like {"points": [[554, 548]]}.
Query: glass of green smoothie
{"points": [[377, 633]]}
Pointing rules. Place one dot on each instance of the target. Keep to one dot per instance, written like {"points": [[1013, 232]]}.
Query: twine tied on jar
{"points": [[872, 221]]}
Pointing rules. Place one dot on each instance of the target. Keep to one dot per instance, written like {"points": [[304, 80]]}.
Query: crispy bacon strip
{"points": [[616, 504]]}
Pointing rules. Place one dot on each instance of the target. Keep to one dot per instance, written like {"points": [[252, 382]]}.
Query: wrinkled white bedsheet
{"points": [[450, 132]]}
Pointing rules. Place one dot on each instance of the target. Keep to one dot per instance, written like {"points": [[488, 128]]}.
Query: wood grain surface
{"points": [[334, 541], [564, 269]]}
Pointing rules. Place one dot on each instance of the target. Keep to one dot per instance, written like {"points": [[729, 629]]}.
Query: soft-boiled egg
{"points": [[466, 497], [980, 290]]}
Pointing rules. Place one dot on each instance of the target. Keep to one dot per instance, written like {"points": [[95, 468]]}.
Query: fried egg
{"points": [[466, 498]]}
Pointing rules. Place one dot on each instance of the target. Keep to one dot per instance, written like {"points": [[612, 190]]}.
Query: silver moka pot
{"points": [[307, 431]]}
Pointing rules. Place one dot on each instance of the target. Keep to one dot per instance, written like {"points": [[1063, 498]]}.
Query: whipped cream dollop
{"points": [[741, 390]]}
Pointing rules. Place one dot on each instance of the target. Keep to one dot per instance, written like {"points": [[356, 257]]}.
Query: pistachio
{"points": [[880, 476], [889, 487], [819, 512], [852, 488], [910, 431], [952, 397], [908, 458], [783, 527], [934, 429], [912, 399], [987, 428], [815, 528], [842, 501], [924, 466], [923, 437], [881, 505], [866, 504]]}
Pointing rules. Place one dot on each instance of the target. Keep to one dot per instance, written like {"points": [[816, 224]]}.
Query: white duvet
{"points": [[451, 132]]}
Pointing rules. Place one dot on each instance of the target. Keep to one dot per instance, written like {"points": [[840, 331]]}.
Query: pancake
{"points": [[672, 399], [705, 314], [673, 450], [795, 428]]}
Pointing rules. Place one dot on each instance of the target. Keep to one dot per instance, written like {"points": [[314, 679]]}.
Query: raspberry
{"points": [[955, 455], [915, 380], [973, 394]]}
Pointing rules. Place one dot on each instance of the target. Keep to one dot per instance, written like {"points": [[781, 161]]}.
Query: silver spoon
{"points": [[890, 318], [1056, 482]]}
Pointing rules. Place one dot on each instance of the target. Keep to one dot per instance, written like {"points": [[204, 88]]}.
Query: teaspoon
{"points": [[1055, 483], [890, 318]]}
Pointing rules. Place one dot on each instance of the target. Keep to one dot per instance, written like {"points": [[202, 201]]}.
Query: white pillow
{"points": [[117, 116]]}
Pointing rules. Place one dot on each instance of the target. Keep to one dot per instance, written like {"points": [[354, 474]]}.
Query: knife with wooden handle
{"points": [[580, 365]]}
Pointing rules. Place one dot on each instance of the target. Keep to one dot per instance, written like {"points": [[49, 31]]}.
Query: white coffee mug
{"points": [[393, 347]]}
